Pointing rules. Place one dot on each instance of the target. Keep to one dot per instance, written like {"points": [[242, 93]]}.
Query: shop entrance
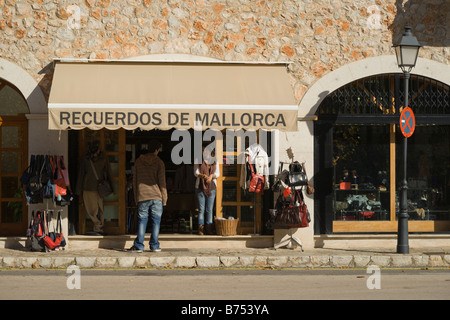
{"points": [[112, 143], [180, 215]]}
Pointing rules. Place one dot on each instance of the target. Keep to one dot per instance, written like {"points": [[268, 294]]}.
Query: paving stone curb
{"points": [[228, 261]]}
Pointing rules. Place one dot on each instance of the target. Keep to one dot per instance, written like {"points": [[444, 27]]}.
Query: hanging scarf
{"points": [[207, 171]]}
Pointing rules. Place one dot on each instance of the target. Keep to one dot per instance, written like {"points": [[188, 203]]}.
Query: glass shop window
{"points": [[428, 173], [361, 172]]}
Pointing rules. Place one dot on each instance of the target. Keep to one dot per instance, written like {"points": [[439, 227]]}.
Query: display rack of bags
{"points": [[47, 177], [290, 209], [39, 235]]}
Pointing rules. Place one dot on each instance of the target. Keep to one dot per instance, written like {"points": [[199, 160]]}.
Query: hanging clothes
{"points": [[260, 161]]}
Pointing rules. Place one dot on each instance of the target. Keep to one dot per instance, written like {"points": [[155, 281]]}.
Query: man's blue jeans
{"points": [[205, 206], [156, 209]]}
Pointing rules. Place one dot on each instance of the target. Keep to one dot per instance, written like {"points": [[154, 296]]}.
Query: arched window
{"points": [[12, 103], [13, 159], [359, 164], [370, 97]]}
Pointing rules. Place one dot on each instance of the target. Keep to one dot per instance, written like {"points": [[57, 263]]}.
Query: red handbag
{"points": [[36, 228], [304, 214], [49, 242], [257, 181], [59, 180]]}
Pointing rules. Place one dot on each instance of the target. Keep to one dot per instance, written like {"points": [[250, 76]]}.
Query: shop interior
{"points": [[123, 147], [180, 214]]}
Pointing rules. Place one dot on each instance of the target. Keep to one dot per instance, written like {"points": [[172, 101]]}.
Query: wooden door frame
{"points": [[243, 227], [17, 229]]}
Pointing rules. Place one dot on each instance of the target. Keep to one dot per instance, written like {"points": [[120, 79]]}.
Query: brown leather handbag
{"points": [[290, 214]]}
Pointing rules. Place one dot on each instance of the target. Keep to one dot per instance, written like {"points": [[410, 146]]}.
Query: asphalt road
{"points": [[228, 284]]}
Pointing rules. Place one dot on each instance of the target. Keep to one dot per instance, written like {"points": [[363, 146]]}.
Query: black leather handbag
{"points": [[297, 176]]}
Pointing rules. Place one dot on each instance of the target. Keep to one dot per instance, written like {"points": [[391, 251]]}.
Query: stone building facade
{"points": [[316, 36], [328, 43]]}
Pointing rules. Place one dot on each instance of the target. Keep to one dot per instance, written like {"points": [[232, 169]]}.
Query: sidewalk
{"points": [[226, 258]]}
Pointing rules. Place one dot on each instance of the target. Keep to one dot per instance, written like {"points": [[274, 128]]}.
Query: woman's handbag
{"points": [[309, 186], [304, 213], [55, 239], [58, 178], [292, 213], [104, 187], [257, 181], [296, 176]]}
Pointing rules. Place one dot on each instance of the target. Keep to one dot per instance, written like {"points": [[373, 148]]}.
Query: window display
{"points": [[428, 173], [361, 167]]}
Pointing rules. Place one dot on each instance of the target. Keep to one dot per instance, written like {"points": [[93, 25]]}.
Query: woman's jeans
{"points": [[156, 209], [205, 205]]}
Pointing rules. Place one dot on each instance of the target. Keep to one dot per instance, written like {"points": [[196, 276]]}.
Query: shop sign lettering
{"points": [[171, 119]]}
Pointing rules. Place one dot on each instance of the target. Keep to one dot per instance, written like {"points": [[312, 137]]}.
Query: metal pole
{"points": [[402, 238]]}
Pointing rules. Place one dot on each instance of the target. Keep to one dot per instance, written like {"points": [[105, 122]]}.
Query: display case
{"points": [[351, 202]]}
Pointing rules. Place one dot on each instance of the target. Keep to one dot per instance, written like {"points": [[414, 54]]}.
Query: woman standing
{"points": [[205, 190]]}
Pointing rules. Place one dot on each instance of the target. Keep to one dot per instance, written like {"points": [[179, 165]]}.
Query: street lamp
{"points": [[407, 52]]}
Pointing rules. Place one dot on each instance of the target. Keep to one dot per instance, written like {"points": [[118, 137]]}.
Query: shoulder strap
{"points": [[300, 196], [58, 224], [250, 163], [93, 168]]}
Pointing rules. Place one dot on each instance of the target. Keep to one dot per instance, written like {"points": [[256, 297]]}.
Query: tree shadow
{"points": [[428, 20]]}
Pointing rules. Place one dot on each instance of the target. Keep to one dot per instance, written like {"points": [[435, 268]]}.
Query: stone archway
{"points": [[361, 69], [25, 84]]}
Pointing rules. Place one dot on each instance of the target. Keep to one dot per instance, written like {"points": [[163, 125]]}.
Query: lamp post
{"points": [[407, 52]]}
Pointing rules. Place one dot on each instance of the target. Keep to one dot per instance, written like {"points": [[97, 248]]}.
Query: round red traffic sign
{"points": [[407, 122]]}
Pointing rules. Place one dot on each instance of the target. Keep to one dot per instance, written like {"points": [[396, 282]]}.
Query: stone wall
{"points": [[317, 36]]}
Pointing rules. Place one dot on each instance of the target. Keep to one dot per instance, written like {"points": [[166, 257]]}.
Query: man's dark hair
{"points": [[154, 145]]}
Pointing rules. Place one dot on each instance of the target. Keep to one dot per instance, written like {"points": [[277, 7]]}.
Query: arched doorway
{"points": [[357, 162], [13, 159]]}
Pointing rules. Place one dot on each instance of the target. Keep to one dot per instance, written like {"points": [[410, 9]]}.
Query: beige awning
{"points": [[164, 95]]}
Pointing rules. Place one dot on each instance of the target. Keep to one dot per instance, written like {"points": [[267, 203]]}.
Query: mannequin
{"points": [[87, 184]]}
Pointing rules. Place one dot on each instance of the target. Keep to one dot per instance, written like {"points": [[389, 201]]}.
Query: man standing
{"points": [[150, 193]]}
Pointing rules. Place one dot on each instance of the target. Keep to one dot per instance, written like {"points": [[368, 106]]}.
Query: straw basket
{"points": [[226, 227]]}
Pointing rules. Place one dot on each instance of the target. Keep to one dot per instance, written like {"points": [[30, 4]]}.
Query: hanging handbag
{"points": [[104, 187], [36, 232], [304, 213], [58, 179], [279, 185], [309, 186], [296, 176], [292, 213], [257, 181], [55, 239], [288, 213]]}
